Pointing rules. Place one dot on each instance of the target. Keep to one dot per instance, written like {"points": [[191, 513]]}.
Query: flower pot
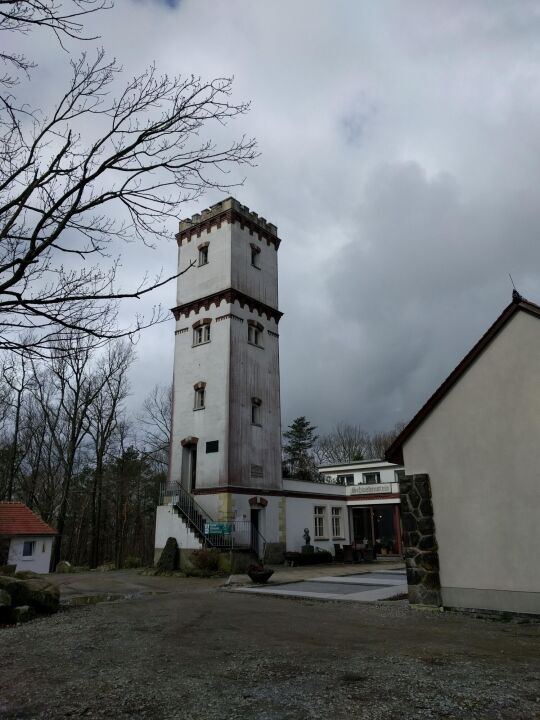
{"points": [[260, 576]]}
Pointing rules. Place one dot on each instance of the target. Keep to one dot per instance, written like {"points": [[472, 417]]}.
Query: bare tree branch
{"points": [[102, 168]]}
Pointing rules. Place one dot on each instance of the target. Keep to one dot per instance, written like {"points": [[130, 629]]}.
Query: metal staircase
{"points": [[192, 514], [238, 535]]}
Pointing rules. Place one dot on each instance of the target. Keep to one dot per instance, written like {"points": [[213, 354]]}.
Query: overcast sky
{"points": [[400, 160]]}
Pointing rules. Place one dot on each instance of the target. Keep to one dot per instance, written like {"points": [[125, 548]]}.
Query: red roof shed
{"points": [[17, 519]]}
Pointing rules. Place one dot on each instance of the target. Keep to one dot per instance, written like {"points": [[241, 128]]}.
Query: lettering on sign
{"points": [[371, 489], [218, 528]]}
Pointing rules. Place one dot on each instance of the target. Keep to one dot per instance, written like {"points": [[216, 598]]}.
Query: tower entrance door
{"points": [[189, 465]]}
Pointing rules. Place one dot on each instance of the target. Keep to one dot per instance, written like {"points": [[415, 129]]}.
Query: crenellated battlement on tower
{"points": [[228, 210]]}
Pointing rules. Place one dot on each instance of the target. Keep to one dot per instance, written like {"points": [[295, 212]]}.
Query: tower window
{"points": [[255, 253], [256, 411], [201, 332], [255, 333], [203, 254], [200, 396]]}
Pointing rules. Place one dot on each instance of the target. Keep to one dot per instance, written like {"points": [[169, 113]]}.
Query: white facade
{"points": [[479, 446], [32, 552], [365, 473], [231, 289], [350, 511], [168, 524], [226, 431]]}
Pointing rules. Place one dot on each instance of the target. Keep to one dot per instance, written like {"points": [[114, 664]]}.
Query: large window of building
{"points": [[372, 478], [345, 479], [336, 522], [319, 517]]}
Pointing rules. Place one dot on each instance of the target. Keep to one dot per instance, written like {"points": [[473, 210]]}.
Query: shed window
{"points": [[28, 548]]}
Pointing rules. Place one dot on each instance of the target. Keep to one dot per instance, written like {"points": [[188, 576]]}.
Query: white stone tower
{"points": [[226, 431]]}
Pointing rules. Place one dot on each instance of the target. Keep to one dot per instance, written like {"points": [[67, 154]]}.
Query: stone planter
{"points": [[260, 576]]}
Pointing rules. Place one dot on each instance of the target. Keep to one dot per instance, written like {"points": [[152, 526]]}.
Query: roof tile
{"points": [[17, 519]]}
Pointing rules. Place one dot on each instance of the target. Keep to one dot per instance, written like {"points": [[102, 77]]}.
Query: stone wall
{"points": [[419, 540]]}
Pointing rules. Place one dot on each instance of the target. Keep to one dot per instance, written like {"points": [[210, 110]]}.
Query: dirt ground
{"points": [[184, 648]]}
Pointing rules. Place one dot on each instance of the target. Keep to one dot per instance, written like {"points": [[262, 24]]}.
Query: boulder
{"points": [[15, 588], [27, 575], [36, 592], [168, 560], [63, 567], [43, 595], [22, 613], [106, 567]]}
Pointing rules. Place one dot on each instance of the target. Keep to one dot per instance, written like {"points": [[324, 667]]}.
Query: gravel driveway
{"points": [[193, 651]]}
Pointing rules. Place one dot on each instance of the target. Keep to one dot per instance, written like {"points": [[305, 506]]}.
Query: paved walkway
{"points": [[357, 587]]}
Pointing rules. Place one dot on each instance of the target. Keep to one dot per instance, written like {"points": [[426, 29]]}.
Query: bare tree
{"points": [[103, 414], [23, 16], [100, 168], [346, 443], [381, 441], [15, 377], [77, 389], [156, 420]]}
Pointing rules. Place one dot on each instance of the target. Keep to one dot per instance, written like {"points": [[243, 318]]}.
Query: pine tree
{"points": [[300, 438]]}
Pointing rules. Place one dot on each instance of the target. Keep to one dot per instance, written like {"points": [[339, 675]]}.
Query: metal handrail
{"points": [[192, 510], [242, 534]]}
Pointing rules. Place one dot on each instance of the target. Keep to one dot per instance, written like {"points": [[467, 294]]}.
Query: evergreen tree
{"points": [[300, 438]]}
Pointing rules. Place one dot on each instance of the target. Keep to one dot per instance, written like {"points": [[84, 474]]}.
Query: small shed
{"points": [[25, 539]]}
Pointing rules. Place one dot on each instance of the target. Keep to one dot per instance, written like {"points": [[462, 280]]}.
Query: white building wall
{"points": [[40, 561], [300, 515], [359, 469], [169, 524], [254, 372], [198, 282], [260, 283], [208, 363], [234, 371], [480, 448]]}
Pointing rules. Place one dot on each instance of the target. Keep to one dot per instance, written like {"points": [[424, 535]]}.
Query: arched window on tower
{"points": [[203, 253], [200, 396], [201, 331]]}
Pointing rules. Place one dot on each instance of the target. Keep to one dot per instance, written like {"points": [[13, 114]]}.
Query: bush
{"points": [[205, 560], [132, 562]]}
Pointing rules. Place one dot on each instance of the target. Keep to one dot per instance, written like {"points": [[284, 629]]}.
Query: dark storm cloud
{"points": [[400, 160]]}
